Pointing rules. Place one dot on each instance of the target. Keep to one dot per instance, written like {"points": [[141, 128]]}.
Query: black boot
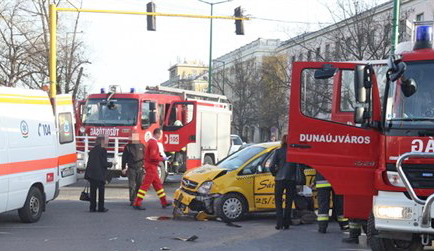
{"points": [[322, 227]]}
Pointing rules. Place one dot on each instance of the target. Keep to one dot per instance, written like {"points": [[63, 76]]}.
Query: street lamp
{"points": [[224, 73], [210, 41]]}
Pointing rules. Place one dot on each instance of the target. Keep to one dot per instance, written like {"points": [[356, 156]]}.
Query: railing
{"points": [[426, 213], [114, 146]]}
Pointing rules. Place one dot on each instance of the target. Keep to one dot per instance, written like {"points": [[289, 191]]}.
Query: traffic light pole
{"points": [[395, 25], [210, 53], [53, 10]]}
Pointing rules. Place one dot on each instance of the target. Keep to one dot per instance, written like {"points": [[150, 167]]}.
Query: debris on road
{"points": [[191, 238], [230, 224], [164, 248], [114, 238], [157, 218]]}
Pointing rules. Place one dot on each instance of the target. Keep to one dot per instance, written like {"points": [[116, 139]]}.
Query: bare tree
{"points": [[274, 93], [241, 86], [24, 47]]}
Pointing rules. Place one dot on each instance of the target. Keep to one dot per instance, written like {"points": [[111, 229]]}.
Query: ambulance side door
{"points": [[4, 177], [264, 183], [180, 125], [67, 152], [345, 154]]}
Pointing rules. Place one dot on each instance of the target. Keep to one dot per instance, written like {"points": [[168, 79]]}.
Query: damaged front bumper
{"points": [[188, 201]]}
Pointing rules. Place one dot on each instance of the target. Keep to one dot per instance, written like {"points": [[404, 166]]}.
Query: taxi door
{"points": [[264, 184], [180, 125]]}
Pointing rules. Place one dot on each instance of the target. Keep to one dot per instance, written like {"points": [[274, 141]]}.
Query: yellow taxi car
{"points": [[239, 184]]}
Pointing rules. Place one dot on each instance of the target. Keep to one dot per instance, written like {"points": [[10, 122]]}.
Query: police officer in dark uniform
{"points": [[133, 164], [324, 189]]}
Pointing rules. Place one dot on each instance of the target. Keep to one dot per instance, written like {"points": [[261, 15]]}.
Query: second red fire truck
{"points": [[369, 128], [196, 125]]}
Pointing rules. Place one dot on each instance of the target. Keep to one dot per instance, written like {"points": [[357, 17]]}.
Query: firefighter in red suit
{"points": [[152, 159]]}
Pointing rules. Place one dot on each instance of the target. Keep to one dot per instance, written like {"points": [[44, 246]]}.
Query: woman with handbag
{"points": [[284, 174], [96, 172]]}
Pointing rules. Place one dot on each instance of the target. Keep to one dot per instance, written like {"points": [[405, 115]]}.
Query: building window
{"points": [[419, 17], [327, 52], [318, 54], [300, 57], [309, 56]]}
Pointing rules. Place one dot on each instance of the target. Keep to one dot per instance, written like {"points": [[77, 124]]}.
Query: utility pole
{"points": [[395, 25], [210, 42]]}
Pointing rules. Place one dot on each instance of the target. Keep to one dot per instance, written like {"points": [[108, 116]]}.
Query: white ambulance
{"points": [[37, 150]]}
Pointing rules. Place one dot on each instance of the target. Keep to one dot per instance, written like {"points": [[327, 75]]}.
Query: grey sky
{"points": [[123, 52]]}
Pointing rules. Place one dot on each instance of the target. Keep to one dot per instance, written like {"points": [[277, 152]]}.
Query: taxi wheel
{"points": [[231, 207]]}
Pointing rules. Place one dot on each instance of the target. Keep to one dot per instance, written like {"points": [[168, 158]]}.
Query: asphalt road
{"points": [[67, 225]]}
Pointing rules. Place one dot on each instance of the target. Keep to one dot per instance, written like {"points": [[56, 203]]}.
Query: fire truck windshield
{"points": [[417, 110], [116, 112]]}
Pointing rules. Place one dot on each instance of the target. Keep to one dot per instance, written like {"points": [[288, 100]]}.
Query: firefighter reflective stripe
{"points": [[342, 219], [354, 225], [161, 193], [322, 217], [322, 184], [141, 194]]}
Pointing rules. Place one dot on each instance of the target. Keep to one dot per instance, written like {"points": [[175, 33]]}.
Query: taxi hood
{"points": [[204, 173]]}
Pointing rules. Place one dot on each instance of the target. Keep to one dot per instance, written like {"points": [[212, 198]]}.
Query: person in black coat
{"points": [[284, 174], [96, 173]]}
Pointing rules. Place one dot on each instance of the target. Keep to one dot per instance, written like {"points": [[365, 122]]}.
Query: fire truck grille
{"points": [[189, 184], [419, 175]]}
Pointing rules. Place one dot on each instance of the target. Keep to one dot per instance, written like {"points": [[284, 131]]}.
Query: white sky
{"points": [[123, 52]]}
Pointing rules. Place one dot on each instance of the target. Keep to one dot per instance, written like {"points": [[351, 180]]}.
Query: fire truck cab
{"points": [[368, 128], [196, 125]]}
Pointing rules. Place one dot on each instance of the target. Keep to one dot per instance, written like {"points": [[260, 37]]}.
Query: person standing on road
{"points": [[284, 175], [325, 190], [96, 172], [133, 164], [152, 160]]}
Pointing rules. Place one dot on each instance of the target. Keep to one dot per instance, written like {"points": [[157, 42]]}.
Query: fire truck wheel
{"points": [[33, 207], [231, 207], [382, 244], [162, 172], [208, 160]]}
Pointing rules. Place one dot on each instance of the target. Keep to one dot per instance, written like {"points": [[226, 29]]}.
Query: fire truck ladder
{"points": [[189, 94]]}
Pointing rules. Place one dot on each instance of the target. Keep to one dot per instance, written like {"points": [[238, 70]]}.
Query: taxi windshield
{"points": [[417, 110], [119, 112], [237, 159]]}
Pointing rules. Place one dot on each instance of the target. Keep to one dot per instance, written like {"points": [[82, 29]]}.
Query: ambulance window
{"points": [[348, 98], [251, 167], [66, 134]]}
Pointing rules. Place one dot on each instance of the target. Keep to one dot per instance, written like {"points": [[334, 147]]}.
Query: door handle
{"points": [[300, 146]]}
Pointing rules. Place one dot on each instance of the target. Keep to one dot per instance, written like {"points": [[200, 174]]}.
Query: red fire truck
{"points": [[369, 128], [196, 125]]}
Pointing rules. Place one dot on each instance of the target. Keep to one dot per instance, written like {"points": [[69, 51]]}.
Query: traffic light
{"points": [[151, 20], [239, 24]]}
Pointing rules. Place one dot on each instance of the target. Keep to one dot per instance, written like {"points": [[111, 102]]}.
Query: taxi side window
{"points": [[251, 167], [267, 163]]}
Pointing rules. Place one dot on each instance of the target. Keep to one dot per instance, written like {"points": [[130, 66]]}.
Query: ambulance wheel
{"points": [[231, 207], [33, 207], [162, 172], [208, 160], [383, 244]]}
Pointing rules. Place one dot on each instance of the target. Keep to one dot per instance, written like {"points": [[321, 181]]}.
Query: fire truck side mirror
{"points": [[152, 117], [359, 84], [326, 72], [359, 115], [408, 86]]}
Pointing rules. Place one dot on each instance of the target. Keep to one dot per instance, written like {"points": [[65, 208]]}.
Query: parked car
{"points": [[239, 184], [236, 143]]}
